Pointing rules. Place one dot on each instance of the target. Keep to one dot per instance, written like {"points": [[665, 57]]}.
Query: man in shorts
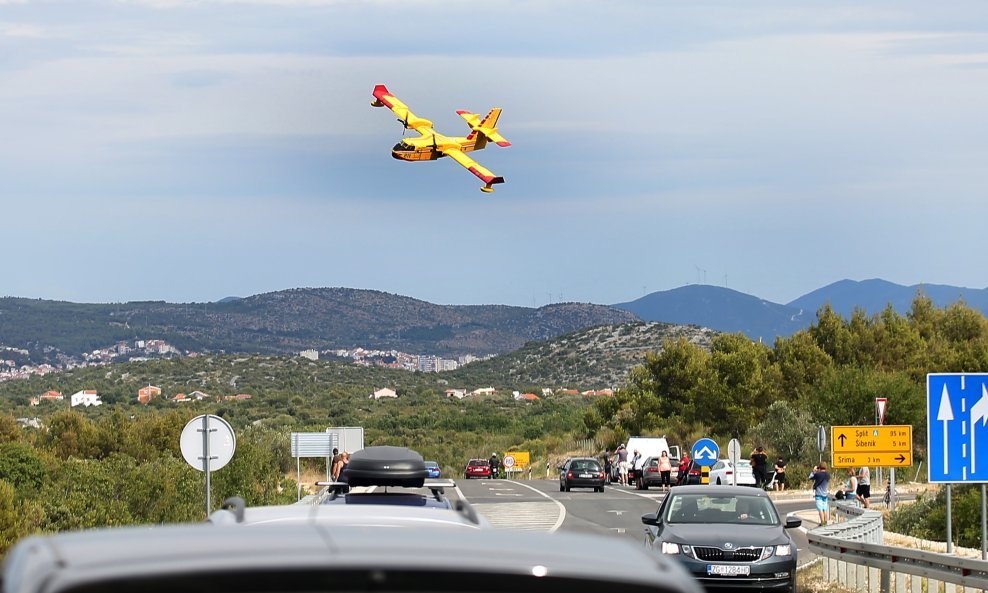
{"points": [[864, 486], [622, 457], [821, 487]]}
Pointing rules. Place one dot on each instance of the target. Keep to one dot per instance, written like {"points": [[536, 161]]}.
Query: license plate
{"points": [[729, 570], [586, 476]]}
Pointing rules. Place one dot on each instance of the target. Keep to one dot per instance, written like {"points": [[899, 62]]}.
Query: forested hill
{"points": [[291, 320], [593, 358]]}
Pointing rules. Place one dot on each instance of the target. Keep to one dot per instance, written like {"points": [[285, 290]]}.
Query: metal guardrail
{"points": [[855, 556]]}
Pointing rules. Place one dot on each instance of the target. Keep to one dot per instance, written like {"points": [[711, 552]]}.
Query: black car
{"points": [[581, 472], [727, 537]]}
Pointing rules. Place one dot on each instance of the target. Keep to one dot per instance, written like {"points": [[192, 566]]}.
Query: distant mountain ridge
{"points": [[288, 321], [721, 309], [728, 310]]}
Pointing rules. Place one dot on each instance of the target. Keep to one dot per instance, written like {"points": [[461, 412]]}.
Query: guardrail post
{"points": [[862, 577], [875, 579], [932, 586], [885, 578], [916, 583]]}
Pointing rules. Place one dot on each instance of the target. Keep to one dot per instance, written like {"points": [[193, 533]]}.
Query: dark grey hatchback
{"points": [[727, 537]]}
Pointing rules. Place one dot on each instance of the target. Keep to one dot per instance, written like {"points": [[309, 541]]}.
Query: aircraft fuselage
{"points": [[429, 148]]}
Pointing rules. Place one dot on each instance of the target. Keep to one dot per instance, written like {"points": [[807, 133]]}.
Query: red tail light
{"points": [[569, 474]]}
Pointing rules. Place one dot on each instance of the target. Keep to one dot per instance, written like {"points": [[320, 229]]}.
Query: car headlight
{"points": [[769, 551], [670, 548]]}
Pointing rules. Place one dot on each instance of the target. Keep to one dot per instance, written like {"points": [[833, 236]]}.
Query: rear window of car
{"points": [[478, 462], [585, 464]]}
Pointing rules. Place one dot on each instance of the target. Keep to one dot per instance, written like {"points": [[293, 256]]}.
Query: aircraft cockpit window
{"points": [[403, 146]]}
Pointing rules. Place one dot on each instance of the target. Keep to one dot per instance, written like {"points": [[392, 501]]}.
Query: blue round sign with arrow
{"points": [[705, 452]]}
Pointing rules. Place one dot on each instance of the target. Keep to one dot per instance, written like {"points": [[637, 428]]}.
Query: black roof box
{"points": [[386, 466]]}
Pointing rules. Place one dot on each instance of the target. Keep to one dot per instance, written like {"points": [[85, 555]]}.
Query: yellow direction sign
{"points": [[880, 459], [886, 446]]}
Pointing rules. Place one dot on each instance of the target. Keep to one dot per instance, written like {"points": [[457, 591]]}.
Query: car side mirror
{"points": [[559, 468], [651, 519], [792, 522]]}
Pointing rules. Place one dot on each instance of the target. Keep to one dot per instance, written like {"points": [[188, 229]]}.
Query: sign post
{"points": [[207, 444], [886, 446], [734, 454], [821, 441], [957, 433], [705, 453]]}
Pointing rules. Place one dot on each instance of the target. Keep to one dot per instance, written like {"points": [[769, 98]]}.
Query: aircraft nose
{"points": [[396, 155]]}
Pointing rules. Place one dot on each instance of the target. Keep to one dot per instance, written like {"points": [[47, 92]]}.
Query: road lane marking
{"points": [[559, 505]]}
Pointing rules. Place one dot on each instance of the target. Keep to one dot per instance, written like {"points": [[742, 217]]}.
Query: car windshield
{"points": [[706, 508]]}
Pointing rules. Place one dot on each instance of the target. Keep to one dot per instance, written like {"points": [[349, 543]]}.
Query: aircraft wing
{"points": [[384, 98], [474, 167]]}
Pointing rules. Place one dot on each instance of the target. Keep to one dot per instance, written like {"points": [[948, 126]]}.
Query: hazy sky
{"points": [[191, 150]]}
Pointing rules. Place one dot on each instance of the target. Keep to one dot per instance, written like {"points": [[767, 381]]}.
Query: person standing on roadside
{"points": [[607, 467], [780, 474], [332, 466], [821, 490], [864, 486], [685, 465], [759, 466], [665, 470], [622, 458]]}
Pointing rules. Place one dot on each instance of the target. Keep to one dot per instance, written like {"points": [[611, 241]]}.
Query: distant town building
{"points": [[180, 398], [484, 391], [199, 396], [525, 397], [457, 393], [86, 397], [146, 394], [385, 392], [29, 422], [310, 354], [48, 396]]}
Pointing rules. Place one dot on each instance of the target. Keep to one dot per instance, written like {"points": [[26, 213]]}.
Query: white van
{"points": [[646, 447]]}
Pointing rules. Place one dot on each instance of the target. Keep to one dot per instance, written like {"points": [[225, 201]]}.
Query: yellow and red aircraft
{"points": [[432, 145]]}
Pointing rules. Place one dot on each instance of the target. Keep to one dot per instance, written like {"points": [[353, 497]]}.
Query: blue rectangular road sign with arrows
{"points": [[957, 427]]}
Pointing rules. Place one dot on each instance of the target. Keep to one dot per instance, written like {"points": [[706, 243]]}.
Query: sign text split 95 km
{"points": [[886, 446]]}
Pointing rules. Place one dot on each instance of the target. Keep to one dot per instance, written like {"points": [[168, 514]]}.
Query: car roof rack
{"points": [[437, 487]]}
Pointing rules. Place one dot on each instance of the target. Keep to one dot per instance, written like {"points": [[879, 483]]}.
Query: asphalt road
{"points": [[539, 505]]}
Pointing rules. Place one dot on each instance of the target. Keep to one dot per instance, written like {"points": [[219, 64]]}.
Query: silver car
{"points": [[313, 557]]}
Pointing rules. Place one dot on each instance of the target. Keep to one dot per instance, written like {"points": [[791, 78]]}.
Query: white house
{"points": [[86, 397], [457, 393], [384, 393], [484, 391]]}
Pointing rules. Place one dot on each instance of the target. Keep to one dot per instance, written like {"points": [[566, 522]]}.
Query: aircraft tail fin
{"points": [[485, 128]]}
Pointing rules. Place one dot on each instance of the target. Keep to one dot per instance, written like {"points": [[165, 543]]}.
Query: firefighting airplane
{"points": [[433, 145]]}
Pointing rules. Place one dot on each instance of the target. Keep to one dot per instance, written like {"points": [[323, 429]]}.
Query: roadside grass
{"points": [[811, 580]]}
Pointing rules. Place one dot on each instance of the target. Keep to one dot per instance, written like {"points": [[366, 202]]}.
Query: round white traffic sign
{"points": [[221, 442], [734, 451], [509, 461]]}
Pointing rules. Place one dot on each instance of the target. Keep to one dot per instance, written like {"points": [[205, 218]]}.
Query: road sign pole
{"points": [[950, 537], [891, 489], [984, 526], [205, 460]]}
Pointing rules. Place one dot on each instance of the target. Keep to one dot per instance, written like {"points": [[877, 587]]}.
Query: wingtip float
{"points": [[431, 145]]}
